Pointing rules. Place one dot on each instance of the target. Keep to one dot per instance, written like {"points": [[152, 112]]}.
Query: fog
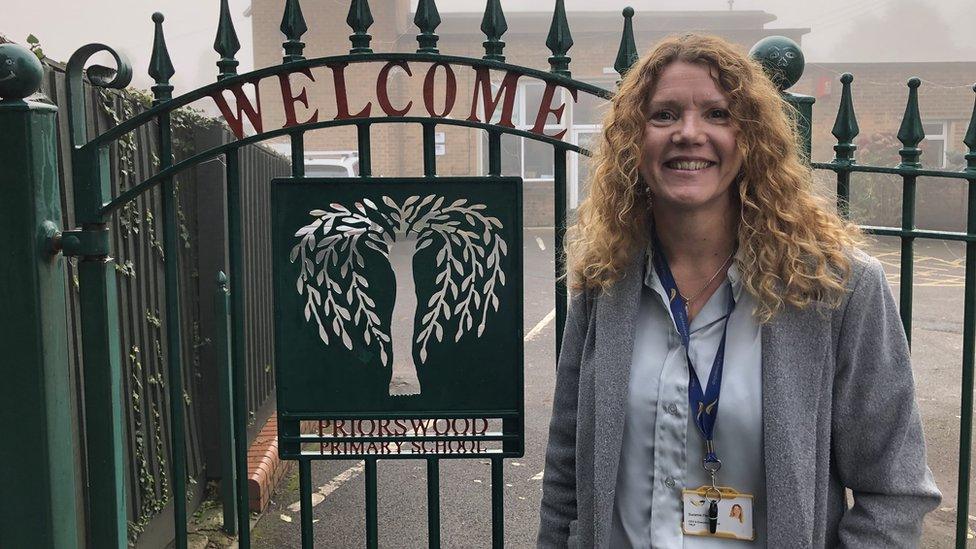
{"points": [[865, 30]]}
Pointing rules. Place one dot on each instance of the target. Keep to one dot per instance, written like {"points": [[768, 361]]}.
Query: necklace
{"points": [[698, 294]]}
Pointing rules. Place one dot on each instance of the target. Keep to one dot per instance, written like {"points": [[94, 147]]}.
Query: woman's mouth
{"points": [[688, 165]]}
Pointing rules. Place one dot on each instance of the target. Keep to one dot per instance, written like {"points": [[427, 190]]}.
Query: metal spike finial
{"points": [[226, 43], [559, 40], [970, 140], [911, 132], [493, 24], [359, 20], [845, 126], [160, 66], [293, 27], [627, 52], [427, 19]]}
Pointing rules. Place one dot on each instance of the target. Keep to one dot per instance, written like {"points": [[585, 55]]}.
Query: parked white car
{"points": [[325, 163]]}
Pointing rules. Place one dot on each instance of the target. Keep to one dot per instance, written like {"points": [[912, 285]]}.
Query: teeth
{"points": [[689, 164]]}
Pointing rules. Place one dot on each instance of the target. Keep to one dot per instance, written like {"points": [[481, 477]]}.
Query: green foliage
{"points": [[35, 47], [876, 198]]}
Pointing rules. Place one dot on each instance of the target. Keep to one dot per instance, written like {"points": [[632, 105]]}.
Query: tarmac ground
{"points": [[339, 489]]}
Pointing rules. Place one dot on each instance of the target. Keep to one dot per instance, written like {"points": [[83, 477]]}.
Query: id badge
{"points": [[734, 516]]}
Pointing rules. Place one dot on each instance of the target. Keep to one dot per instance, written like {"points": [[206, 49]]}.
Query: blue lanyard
{"points": [[703, 403]]}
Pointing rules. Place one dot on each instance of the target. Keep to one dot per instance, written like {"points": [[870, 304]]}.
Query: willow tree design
{"points": [[332, 279]]}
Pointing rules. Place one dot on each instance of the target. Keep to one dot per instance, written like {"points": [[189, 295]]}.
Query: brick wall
{"points": [[879, 90], [879, 93]]}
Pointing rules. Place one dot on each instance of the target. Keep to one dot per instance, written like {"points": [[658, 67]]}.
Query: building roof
{"points": [[533, 22]]}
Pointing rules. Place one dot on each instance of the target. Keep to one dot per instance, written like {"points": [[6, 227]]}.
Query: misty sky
{"points": [[859, 30]]}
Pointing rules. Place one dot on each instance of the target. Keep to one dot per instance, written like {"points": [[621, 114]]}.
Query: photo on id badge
{"points": [[734, 516]]}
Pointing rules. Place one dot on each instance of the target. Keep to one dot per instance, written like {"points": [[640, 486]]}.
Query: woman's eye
{"points": [[663, 116], [720, 114]]}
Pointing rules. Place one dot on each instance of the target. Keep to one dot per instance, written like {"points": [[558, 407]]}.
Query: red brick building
{"points": [[396, 148]]}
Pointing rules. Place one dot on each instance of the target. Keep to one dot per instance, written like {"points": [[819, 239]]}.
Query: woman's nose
{"points": [[689, 130]]}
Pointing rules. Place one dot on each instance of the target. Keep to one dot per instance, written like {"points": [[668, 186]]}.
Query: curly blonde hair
{"points": [[793, 248]]}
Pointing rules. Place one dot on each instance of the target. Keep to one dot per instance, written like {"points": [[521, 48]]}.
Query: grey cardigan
{"points": [[838, 412]]}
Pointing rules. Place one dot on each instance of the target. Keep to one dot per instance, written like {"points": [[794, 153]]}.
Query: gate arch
{"points": [[94, 207]]}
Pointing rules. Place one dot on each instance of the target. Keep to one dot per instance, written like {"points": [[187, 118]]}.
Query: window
{"points": [[587, 118], [533, 160], [935, 143], [530, 159]]}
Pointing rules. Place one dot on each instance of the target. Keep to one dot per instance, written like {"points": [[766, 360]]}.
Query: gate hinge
{"points": [[82, 242]]}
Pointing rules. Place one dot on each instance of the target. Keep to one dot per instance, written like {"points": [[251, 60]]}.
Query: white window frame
{"points": [[520, 117], [943, 137], [577, 130]]}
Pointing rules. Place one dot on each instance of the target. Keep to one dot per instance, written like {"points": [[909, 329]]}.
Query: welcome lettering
{"points": [[485, 101]]}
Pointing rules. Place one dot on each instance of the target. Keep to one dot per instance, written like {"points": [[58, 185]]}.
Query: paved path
{"points": [[465, 484]]}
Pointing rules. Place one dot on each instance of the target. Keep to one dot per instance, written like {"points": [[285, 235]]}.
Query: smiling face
{"points": [[20, 72], [689, 156]]}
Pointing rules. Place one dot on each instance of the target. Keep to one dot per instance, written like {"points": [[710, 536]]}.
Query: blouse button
{"points": [[669, 482], [672, 409]]}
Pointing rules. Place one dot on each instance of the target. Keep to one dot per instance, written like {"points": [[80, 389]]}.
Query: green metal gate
{"points": [[27, 150]]}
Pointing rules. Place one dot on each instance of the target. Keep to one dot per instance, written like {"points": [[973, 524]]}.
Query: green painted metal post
{"points": [[968, 350], [298, 154], [910, 134], [497, 503], [161, 69], [372, 527], [36, 448], [99, 312], [305, 488], [238, 358], [559, 159], [782, 60], [430, 158], [433, 503], [968, 346], [845, 130], [365, 154], [225, 389]]}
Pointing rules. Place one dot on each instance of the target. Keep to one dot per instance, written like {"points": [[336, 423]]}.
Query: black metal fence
{"points": [[139, 260]]}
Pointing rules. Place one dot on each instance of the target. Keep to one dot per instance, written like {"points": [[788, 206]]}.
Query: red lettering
{"points": [[484, 428], [446, 424], [401, 427], [383, 92], [244, 108], [545, 108], [338, 426], [384, 429], [289, 99], [450, 93], [362, 429], [508, 87], [342, 100]]}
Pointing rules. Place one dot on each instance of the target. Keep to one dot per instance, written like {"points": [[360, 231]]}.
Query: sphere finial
{"points": [[781, 58], [20, 72], [158, 17]]}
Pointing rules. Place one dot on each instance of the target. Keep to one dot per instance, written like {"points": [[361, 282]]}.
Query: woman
{"points": [[724, 332], [736, 513]]}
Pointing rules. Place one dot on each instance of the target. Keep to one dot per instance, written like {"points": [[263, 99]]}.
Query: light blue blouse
{"points": [[662, 449]]}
